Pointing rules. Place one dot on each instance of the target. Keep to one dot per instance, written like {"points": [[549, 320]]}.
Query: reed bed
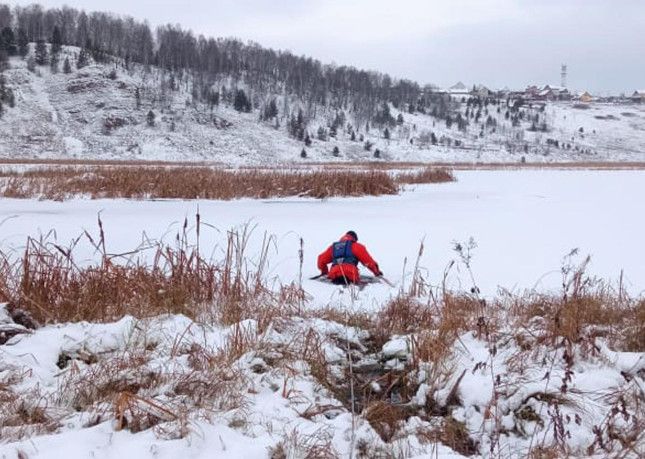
{"points": [[205, 183]]}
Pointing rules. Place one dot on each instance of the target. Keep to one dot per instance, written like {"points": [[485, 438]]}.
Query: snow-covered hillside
{"points": [[95, 113]]}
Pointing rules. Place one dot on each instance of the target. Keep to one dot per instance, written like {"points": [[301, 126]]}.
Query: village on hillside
{"points": [[538, 93]]}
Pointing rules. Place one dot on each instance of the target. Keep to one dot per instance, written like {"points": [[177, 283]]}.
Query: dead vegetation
{"points": [[49, 284], [206, 182], [136, 392], [426, 175]]}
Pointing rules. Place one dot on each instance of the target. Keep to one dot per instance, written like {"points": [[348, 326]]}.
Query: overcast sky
{"points": [[495, 42]]}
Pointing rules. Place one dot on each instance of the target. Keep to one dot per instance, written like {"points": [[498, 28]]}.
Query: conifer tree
{"points": [[83, 59], [67, 67], [4, 60], [7, 41], [57, 41], [242, 103], [42, 56], [23, 43], [53, 63]]}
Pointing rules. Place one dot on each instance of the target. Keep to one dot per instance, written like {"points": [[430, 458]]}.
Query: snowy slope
{"points": [[87, 114]]}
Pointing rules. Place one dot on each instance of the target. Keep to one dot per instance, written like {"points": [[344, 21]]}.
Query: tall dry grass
{"points": [[427, 174], [49, 284], [205, 182]]}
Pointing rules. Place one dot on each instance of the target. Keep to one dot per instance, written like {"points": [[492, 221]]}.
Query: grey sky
{"points": [[495, 42]]}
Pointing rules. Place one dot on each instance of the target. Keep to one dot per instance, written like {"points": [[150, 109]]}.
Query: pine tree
{"points": [[53, 63], [242, 103], [386, 134], [307, 140], [31, 64], [57, 41], [297, 126], [67, 67], [23, 43], [42, 56], [322, 134], [213, 99], [270, 110], [7, 41], [301, 125], [336, 151], [83, 59], [303, 153], [4, 60], [150, 118], [137, 98]]}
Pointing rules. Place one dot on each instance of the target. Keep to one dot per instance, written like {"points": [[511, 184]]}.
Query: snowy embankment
{"points": [[479, 377], [170, 387]]}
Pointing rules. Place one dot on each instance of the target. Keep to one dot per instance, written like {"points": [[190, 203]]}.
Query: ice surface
{"points": [[524, 223]]}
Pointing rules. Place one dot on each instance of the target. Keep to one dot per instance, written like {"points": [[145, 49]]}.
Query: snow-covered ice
{"points": [[524, 223]]}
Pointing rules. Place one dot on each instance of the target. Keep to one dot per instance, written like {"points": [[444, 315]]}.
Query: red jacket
{"points": [[348, 270]]}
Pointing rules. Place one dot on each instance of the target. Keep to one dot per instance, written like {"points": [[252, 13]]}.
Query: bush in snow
{"points": [[150, 118]]}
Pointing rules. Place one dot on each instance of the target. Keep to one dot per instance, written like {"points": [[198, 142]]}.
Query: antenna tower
{"points": [[563, 76]]}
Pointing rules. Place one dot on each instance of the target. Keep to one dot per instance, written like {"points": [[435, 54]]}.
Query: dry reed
{"points": [[205, 183]]}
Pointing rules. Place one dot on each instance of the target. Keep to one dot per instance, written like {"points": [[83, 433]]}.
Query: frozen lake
{"points": [[524, 223]]}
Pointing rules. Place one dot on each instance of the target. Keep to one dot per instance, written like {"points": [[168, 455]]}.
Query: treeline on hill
{"points": [[206, 61]]}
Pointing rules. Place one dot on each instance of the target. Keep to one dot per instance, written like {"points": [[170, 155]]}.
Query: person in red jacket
{"points": [[344, 257]]}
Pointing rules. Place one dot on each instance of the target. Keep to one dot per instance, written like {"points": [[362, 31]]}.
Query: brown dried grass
{"points": [[426, 175], [384, 418], [201, 182], [192, 183], [589, 314], [48, 283]]}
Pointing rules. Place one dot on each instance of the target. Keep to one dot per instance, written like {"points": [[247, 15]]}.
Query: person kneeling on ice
{"points": [[344, 257]]}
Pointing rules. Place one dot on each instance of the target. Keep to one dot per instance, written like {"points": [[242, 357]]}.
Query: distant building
{"points": [[458, 89], [546, 93], [504, 92], [481, 91], [585, 97], [638, 96]]}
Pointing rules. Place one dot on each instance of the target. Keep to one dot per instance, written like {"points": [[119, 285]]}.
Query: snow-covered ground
{"points": [[524, 223]]}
